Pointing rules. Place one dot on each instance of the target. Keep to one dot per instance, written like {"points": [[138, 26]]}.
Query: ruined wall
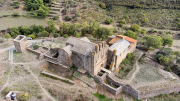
{"points": [[155, 92], [20, 43], [34, 51], [100, 56], [64, 58], [114, 91], [100, 79], [130, 90], [60, 69]]}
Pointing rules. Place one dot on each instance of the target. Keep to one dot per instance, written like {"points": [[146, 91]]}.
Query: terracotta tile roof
{"points": [[130, 39], [114, 40]]}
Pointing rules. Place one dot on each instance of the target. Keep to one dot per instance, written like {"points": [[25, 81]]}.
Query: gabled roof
{"points": [[85, 39], [80, 46], [68, 49], [130, 39], [114, 40], [120, 46]]}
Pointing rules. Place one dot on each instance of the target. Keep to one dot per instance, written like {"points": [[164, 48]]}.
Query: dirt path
{"points": [[5, 5], [37, 80], [7, 82]]}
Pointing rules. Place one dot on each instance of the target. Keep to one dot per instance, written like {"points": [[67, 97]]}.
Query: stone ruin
{"points": [[20, 43]]}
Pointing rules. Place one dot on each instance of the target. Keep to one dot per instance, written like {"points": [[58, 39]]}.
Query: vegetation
{"points": [[135, 27], [131, 34], [6, 36], [101, 97], [109, 21], [35, 47]]}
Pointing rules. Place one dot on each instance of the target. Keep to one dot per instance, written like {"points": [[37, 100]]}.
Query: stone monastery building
{"points": [[91, 57], [87, 56]]}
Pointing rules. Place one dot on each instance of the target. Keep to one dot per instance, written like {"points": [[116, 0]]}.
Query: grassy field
{"points": [[20, 21], [22, 57], [147, 74]]}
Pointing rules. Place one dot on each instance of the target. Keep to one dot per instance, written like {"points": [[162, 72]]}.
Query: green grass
{"points": [[101, 97], [166, 97], [147, 74], [9, 22]]}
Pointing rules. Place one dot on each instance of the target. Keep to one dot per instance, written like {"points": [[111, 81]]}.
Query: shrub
{"points": [[77, 15], [109, 21], [64, 11], [151, 31], [32, 36], [177, 53], [135, 27], [85, 6], [56, 17], [65, 36], [143, 31], [103, 5], [5, 91], [68, 18], [56, 35], [150, 48], [15, 14], [121, 22], [77, 35], [35, 47]]}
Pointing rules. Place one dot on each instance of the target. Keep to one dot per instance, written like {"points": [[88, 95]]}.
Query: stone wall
{"points": [[114, 91], [158, 91], [20, 43], [130, 90], [64, 58], [34, 51], [100, 56], [100, 79]]}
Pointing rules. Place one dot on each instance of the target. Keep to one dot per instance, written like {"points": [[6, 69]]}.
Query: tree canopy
{"points": [[131, 34], [154, 41]]}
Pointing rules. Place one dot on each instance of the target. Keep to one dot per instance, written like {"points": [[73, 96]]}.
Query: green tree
{"points": [[167, 41], [14, 32], [131, 34], [135, 27], [43, 11], [51, 26], [143, 31], [43, 34], [24, 30], [102, 33], [154, 41], [6, 36]]}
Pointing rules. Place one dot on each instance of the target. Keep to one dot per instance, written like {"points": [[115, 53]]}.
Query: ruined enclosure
{"points": [[20, 43]]}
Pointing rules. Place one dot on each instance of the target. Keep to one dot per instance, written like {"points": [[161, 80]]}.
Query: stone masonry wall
{"points": [[114, 91]]}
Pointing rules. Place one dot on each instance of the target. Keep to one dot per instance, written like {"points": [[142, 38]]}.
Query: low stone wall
{"points": [[59, 77], [130, 90], [34, 51], [165, 90], [114, 91], [109, 79], [100, 79], [51, 59]]}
